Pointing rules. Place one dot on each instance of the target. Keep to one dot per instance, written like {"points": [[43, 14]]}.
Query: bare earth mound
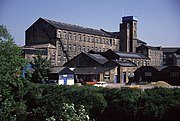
{"points": [[162, 84]]}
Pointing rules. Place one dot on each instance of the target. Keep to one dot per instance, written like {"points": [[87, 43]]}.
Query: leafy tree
{"points": [[5, 34], [70, 113], [42, 67], [11, 82]]}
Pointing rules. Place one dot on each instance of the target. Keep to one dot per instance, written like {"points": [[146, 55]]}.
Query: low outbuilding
{"points": [[61, 75]]}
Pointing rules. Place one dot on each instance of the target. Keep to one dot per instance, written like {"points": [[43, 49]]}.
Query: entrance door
{"points": [[124, 77], [65, 80]]}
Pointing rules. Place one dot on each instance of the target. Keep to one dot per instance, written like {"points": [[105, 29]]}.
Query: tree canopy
{"points": [[11, 83], [41, 66]]}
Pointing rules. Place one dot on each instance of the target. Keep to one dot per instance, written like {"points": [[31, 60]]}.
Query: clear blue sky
{"points": [[158, 20]]}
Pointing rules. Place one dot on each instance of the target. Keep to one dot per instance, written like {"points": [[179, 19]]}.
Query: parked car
{"points": [[101, 84]]}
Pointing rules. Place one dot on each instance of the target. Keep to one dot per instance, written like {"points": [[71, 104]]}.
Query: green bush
{"points": [[103, 104]]}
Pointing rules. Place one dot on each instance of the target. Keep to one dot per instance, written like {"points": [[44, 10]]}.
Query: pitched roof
{"points": [[90, 70], [76, 28], [97, 57], [170, 49], [140, 41], [150, 47], [62, 70], [130, 55], [126, 63], [86, 59]]}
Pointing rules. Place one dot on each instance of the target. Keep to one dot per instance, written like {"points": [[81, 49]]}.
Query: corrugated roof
{"points": [[76, 28]]}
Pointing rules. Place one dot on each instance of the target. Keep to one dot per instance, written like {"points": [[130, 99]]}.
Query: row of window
{"points": [[83, 48], [85, 38], [137, 62], [172, 74]]}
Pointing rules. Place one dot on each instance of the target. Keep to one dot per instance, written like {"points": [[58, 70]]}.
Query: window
{"points": [[84, 48], [148, 74], [174, 74], [65, 47], [87, 48], [69, 36], [114, 42], [79, 48], [79, 37], [59, 58], [100, 40], [104, 42], [110, 42], [92, 48], [96, 39], [74, 48], [106, 76], [92, 39], [170, 56], [88, 39], [74, 36], [64, 57], [84, 38], [99, 49], [107, 41], [58, 33], [70, 47], [59, 45], [64, 35], [96, 49]]}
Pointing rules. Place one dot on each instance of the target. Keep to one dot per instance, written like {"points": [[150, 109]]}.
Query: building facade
{"points": [[171, 56], [169, 74], [69, 40], [155, 54], [125, 62]]}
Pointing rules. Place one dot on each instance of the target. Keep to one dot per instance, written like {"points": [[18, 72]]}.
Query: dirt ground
{"points": [[148, 86]]}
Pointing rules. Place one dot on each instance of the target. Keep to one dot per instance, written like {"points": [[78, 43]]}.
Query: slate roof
{"points": [[91, 70], [62, 70], [130, 55], [151, 47], [97, 57], [140, 41], [76, 28], [171, 50], [126, 63]]}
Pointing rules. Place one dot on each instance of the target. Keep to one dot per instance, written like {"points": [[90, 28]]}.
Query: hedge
{"points": [[104, 104]]}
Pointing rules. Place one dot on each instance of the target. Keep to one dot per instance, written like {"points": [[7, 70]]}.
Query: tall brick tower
{"points": [[128, 34]]}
